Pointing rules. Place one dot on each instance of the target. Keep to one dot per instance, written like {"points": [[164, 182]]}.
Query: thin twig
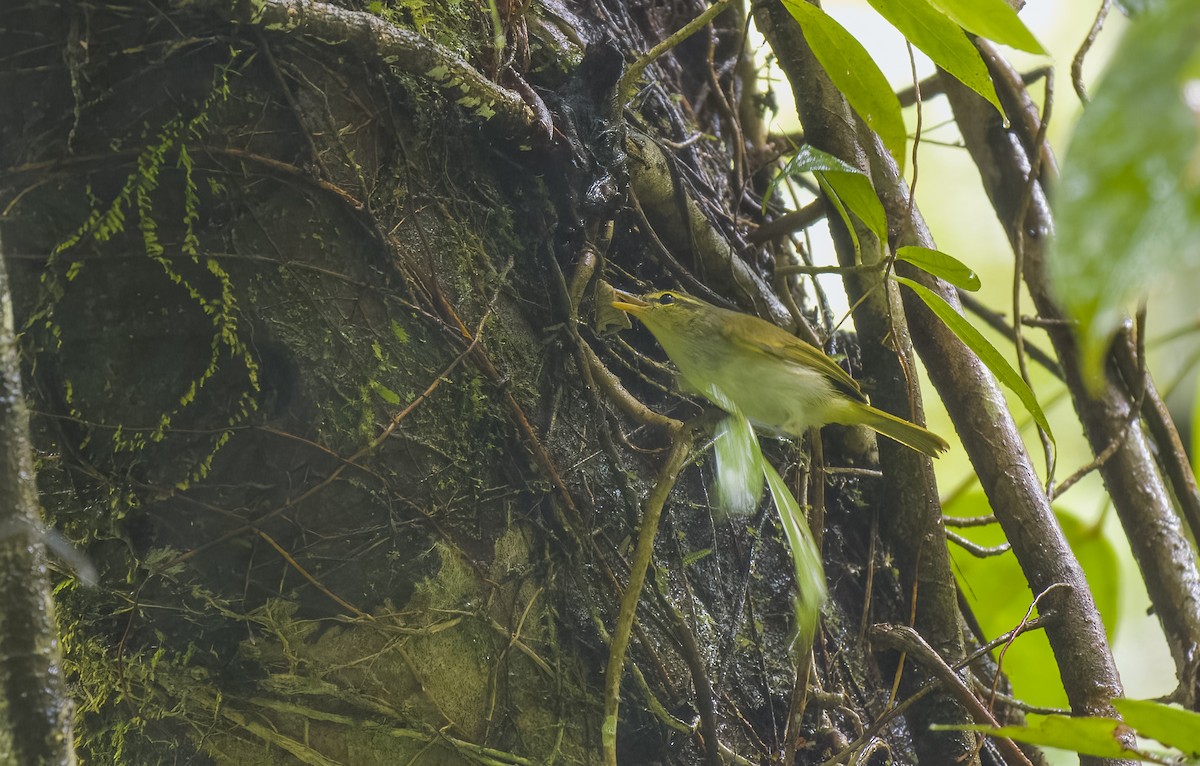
{"points": [[311, 579], [1084, 47], [813, 270], [680, 448], [996, 321], [1142, 385], [1019, 263], [975, 549], [634, 73], [969, 521], [910, 643], [1025, 620]]}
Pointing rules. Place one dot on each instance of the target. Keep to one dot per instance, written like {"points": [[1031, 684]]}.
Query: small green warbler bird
{"points": [[778, 381]]}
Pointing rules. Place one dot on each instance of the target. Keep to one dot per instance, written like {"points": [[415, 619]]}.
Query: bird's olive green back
{"points": [[744, 331], [762, 337]]}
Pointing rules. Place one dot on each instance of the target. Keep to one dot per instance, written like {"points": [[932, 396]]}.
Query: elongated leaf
{"points": [[940, 265], [1087, 735], [1128, 206], [846, 185], [811, 159], [739, 466], [385, 393], [806, 558], [855, 74], [994, 19], [942, 40], [842, 212], [857, 193], [986, 352], [810, 572], [1172, 726]]}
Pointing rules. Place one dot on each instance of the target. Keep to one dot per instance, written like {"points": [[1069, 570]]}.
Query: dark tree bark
{"points": [[35, 711]]}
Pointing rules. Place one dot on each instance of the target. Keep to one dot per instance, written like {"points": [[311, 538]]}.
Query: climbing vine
{"points": [[105, 221]]}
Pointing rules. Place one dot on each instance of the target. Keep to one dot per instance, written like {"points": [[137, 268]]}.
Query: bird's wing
{"points": [[783, 345]]}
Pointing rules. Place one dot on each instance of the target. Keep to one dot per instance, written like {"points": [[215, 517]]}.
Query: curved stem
{"points": [[681, 446]]}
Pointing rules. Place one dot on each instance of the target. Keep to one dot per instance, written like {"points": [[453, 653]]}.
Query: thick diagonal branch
{"points": [[1132, 476]]}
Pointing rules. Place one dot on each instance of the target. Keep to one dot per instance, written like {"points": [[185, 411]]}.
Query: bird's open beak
{"points": [[628, 302]]}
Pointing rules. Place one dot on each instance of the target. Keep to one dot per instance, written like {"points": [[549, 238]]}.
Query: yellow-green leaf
{"points": [[994, 19], [1172, 726], [854, 73], [940, 265], [400, 333], [846, 185], [942, 40], [1087, 735], [1128, 206], [385, 393], [843, 213], [986, 352]]}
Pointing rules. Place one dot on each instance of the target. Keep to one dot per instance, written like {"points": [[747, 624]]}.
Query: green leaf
{"points": [[940, 265], [994, 19], [845, 184], [842, 212], [1087, 735], [1172, 726], [810, 573], [986, 352], [858, 195], [811, 160], [855, 74], [942, 40], [739, 466], [1128, 205]]}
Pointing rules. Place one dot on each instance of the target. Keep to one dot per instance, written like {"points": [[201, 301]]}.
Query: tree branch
{"points": [[375, 40], [1132, 476]]}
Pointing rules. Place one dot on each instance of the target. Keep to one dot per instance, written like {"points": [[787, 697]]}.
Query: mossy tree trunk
{"points": [[306, 301], [35, 712]]}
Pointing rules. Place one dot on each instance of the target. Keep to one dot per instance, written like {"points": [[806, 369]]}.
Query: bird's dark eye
{"points": [[666, 299]]}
